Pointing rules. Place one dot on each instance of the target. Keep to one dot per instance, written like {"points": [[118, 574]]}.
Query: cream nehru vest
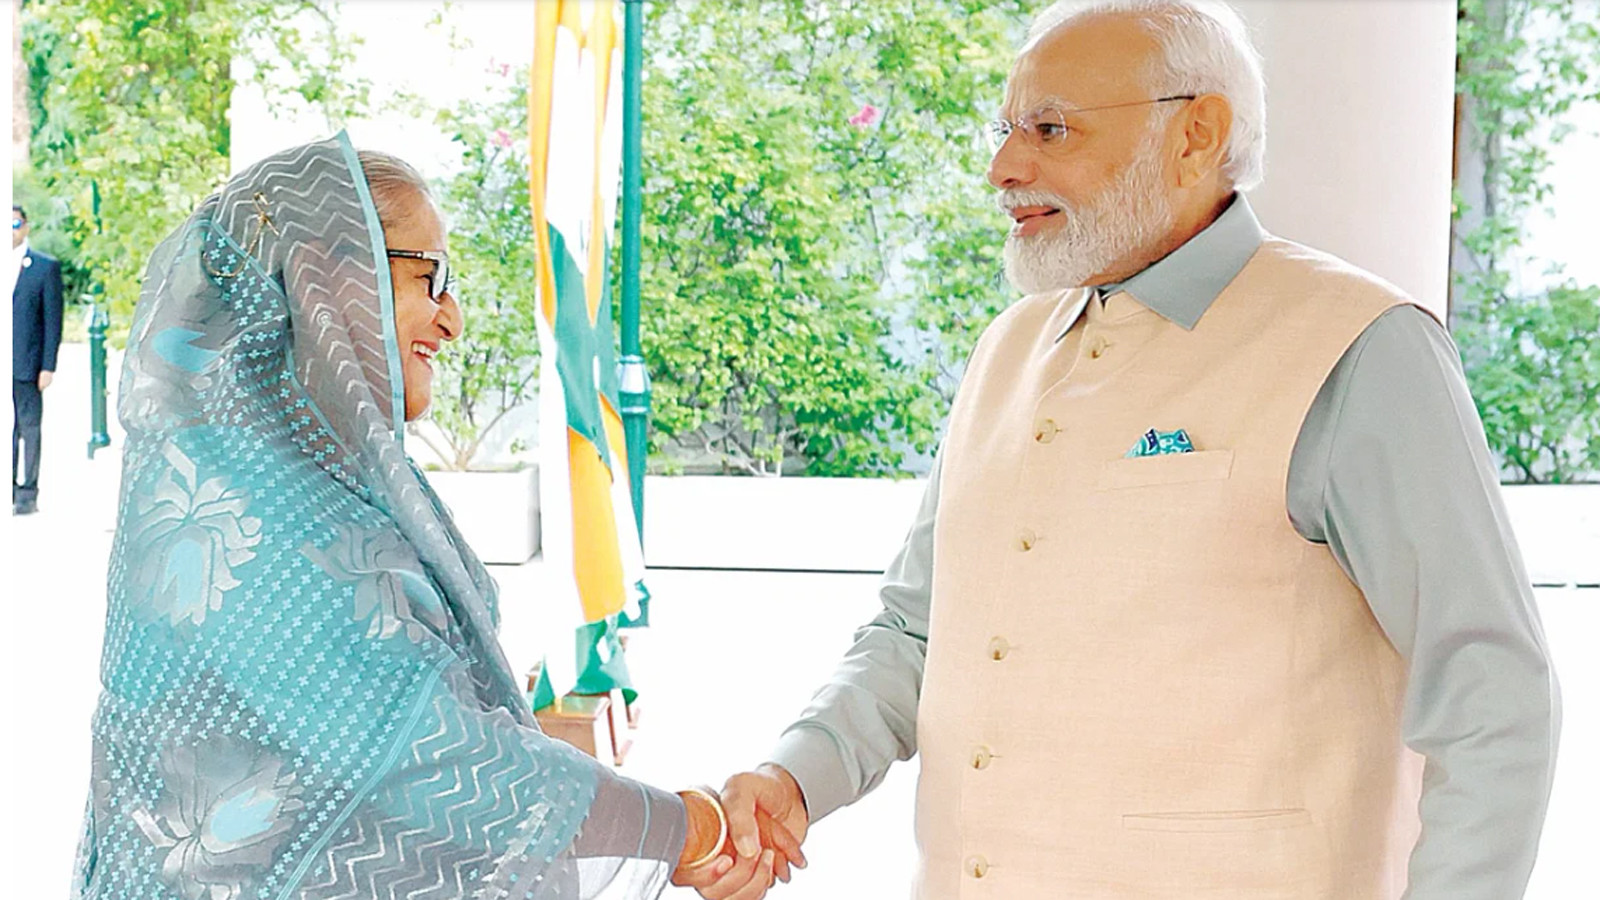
{"points": [[1141, 681]]}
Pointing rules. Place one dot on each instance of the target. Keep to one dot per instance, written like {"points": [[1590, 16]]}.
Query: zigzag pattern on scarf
{"points": [[314, 186], [441, 825]]}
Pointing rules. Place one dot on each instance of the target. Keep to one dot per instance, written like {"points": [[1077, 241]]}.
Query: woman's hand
{"points": [[729, 876], [707, 830]]}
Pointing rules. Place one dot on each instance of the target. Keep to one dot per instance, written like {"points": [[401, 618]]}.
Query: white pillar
{"points": [[1360, 111]]}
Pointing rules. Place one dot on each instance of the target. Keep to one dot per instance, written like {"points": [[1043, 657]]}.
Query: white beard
{"points": [[1130, 216]]}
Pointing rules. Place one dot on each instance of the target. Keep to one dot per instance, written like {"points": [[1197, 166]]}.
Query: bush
{"points": [[1532, 354], [819, 249], [493, 367], [129, 111]]}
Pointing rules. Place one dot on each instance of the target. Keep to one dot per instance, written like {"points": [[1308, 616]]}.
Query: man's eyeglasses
{"points": [[1046, 127], [439, 280], [16, 224]]}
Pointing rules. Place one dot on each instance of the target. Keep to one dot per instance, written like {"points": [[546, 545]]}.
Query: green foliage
{"points": [[788, 230], [1535, 370], [493, 367], [1532, 357], [48, 221], [129, 102]]}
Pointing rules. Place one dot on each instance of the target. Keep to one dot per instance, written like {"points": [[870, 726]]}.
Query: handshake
{"points": [[765, 818]]}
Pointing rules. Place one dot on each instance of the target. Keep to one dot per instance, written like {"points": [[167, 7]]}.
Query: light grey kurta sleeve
{"points": [[865, 717], [1393, 473]]}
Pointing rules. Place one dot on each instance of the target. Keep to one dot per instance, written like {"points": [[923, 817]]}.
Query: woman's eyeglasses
{"points": [[439, 280]]}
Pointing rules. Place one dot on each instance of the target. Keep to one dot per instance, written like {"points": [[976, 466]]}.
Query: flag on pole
{"points": [[593, 561]]}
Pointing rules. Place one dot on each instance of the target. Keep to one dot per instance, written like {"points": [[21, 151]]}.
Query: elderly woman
{"points": [[303, 693]]}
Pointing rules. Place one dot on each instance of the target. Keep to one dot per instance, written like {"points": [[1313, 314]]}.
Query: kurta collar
{"points": [[1182, 285]]}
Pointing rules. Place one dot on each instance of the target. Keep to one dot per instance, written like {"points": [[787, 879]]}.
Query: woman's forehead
{"points": [[420, 227]]}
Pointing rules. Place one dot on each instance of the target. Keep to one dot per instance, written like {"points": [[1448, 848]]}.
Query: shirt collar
{"points": [[19, 253], [1182, 285]]}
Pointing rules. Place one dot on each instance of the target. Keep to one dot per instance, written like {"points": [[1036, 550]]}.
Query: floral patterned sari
{"points": [[303, 695]]}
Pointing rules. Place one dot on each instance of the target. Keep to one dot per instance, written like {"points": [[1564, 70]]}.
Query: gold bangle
{"points": [[722, 827]]}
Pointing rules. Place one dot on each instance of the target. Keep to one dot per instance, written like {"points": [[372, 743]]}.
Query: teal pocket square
{"points": [[1160, 443]]}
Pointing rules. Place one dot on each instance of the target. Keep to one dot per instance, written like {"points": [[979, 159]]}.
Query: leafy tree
{"points": [[1532, 357], [493, 367], [812, 185], [129, 107]]}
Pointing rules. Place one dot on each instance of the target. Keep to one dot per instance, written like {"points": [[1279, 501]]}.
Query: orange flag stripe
{"points": [[547, 20], [601, 40], [597, 555]]}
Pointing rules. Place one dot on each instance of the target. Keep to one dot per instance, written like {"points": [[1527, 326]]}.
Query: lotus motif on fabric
{"points": [[392, 594], [193, 534], [226, 808]]}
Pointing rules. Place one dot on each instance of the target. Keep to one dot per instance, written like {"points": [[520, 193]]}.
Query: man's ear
{"points": [[1207, 122]]}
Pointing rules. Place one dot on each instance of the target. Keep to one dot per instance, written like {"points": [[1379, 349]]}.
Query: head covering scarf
{"points": [[302, 692]]}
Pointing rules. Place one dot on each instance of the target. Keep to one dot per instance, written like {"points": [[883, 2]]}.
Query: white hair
{"points": [[394, 183], [1205, 49]]}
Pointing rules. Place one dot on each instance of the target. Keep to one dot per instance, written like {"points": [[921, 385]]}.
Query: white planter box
{"points": [[497, 512], [1558, 531], [800, 524]]}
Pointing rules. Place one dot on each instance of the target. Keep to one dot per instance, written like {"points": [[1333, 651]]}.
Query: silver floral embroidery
{"points": [[193, 534], [226, 808], [392, 594]]}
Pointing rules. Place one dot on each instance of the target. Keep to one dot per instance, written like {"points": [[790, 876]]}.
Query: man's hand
{"points": [[45, 378], [770, 789], [767, 820]]}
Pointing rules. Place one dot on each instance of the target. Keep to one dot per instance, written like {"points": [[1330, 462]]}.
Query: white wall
{"points": [[1360, 98]]}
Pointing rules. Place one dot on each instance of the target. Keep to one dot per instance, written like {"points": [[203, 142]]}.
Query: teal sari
{"points": [[303, 695]]}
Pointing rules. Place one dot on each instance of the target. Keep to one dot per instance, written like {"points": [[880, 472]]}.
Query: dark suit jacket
{"points": [[36, 317]]}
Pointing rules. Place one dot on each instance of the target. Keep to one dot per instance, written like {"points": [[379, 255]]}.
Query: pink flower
{"points": [[499, 68], [866, 118], [502, 138]]}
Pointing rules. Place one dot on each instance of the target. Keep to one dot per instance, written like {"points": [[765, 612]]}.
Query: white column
{"points": [[1360, 106]]}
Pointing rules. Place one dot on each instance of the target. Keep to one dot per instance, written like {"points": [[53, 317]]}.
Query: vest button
{"points": [[998, 648], [1026, 539], [981, 757], [1098, 347], [977, 866], [1046, 431]]}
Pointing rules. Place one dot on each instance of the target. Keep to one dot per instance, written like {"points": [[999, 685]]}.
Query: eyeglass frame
{"points": [[998, 131], [439, 280]]}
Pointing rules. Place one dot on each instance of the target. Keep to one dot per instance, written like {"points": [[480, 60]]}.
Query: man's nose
{"points": [[1013, 164]]}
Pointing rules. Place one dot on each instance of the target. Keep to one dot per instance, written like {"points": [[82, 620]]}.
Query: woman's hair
{"points": [[393, 182]]}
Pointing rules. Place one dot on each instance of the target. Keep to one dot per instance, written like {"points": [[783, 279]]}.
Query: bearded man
{"points": [[1212, 593]]}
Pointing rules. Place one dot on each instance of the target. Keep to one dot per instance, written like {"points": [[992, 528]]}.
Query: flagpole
{"points": [[635, 380]]}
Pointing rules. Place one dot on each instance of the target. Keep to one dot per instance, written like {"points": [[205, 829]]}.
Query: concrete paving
{"points": [[731, 657]]}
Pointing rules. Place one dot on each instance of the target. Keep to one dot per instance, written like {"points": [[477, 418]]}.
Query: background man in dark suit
{"points": [[35, 337]]}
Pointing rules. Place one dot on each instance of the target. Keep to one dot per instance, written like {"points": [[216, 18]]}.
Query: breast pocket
{"points": [[1260, 854], [1171, 468]]}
